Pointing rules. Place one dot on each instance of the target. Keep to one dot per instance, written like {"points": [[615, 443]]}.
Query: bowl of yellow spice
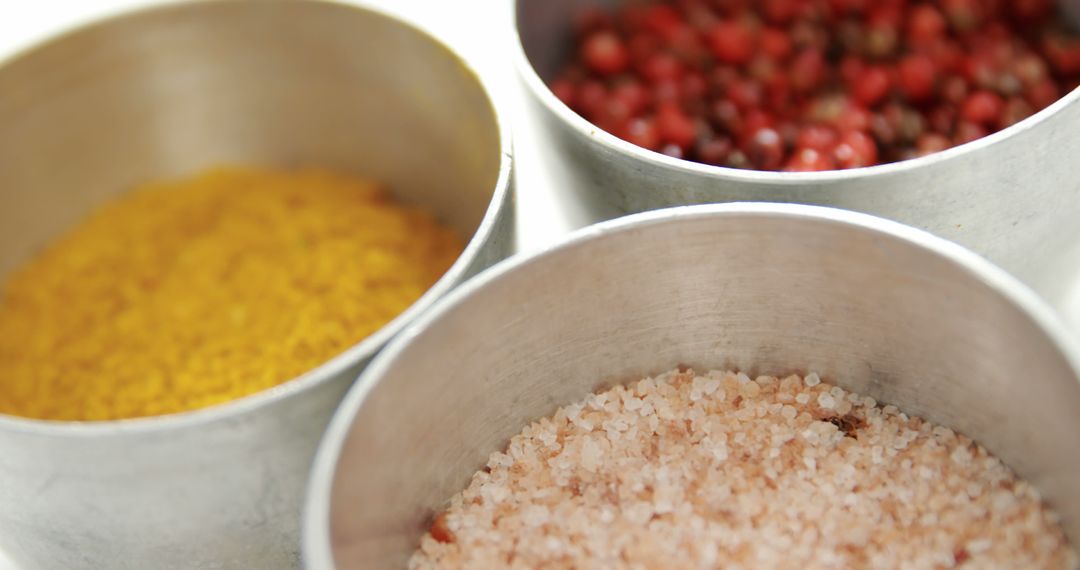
{"points": [[212, 215]]}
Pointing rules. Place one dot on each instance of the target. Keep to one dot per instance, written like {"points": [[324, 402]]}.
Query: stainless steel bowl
{"points": [[878, 307], [161, 93], [1012, 196]]}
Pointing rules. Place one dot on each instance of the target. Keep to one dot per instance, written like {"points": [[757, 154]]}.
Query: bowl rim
{"points": [[538, 89], [502, 193], [316, 546]]}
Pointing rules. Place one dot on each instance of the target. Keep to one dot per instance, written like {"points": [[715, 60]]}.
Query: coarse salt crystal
{"points": [[812, 379]]}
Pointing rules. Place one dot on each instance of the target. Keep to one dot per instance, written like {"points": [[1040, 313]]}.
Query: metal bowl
{"points": [[875, 306], [166, 91], [1012, 196]]}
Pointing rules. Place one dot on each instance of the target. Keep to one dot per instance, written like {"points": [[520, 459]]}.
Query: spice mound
{"points": [[809, 85], [724, 471], [185, 294]]}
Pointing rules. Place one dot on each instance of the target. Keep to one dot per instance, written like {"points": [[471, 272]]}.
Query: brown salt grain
{"points": [[718, 470]]}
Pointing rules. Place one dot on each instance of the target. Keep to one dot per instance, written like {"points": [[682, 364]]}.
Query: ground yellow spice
{"points": [[185, 294]]}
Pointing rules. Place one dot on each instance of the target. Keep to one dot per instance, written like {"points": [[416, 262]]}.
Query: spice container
{"points": [[160, 94], [876, 307], [1008, 196]]}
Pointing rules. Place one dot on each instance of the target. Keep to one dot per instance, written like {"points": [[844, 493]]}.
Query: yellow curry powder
{"points": [[186, 294]]}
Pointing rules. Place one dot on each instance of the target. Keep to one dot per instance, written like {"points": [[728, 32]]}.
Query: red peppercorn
{"points": [[1030, 68], [1016, 110], [635, 96], [851, 67], [917, 77], [853, 118], [809, 160], [565, 90], [662, 67], [745, 94], [1043, 93], [807, 70], [982, 107], [591, 98], [962, 15], [724, 115], [673, 150], [872, 86], [1063, 54], [662, 20], [765, 149], [925, 24], [775, 44], [731, 42], [967, 131], [604, 53], [714, 150], [930, 143], [816, 137], [855, 149], [642, 132], [1030, 10], [675, 127], [780, 12], [753, 121]]}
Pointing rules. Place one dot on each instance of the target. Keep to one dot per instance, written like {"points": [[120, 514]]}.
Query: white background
{"points": [[478, 29]]}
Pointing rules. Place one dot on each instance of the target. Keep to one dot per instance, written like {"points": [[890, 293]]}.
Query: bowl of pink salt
{"points": [[742, 385]]}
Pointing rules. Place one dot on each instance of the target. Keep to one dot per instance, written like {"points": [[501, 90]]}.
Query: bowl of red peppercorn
{"points": [[954, 116]]}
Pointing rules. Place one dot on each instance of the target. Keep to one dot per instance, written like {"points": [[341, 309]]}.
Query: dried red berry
{"points": [[675, 127], [925, 24], [642, 132], [731, 42], [809, 160], [872, 86], [816, 137], [917, 76], [855, 149], [765, 149], [982, 107], [604, 53]]}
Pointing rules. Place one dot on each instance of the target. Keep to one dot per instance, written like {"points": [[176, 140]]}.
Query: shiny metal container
{"points": [[162, 93], [875, 306], [1013, 196]]}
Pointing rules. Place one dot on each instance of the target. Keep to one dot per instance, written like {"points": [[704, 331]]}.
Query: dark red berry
{"points": [[917, 77], [982, 107], [731, 42], [662, 20], [775, 44], [765, 149], [925, 24], [807, 70], [967, 131], [565, 90], [643, 133], [817, 137], [604, 53], [675, 127], [809, 160], [930, 143], [1043, 93], [855, 149], [591, 98], [662, 67], [872, 86], [635, 96], [714, 150]]}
